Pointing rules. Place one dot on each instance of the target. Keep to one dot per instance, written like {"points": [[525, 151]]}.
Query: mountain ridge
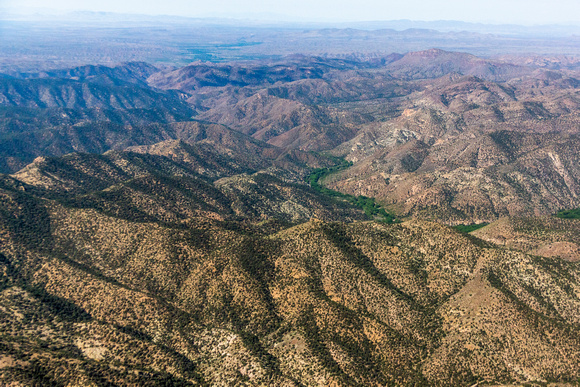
{"points": [[142, 245]]}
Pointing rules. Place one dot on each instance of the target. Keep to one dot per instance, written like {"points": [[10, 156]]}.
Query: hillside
{"points": [[545, 236], [204, 301], [434, 134], [131, 72], [287, 222]]}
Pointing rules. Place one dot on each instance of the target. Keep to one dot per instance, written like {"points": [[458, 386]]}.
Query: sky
{"points": [[526, 12]]}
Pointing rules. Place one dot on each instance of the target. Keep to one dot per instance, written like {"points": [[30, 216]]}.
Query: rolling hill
{"points": [[183, 226]]}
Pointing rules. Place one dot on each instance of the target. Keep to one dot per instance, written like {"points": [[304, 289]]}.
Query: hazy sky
{"points": [[494, 11]]}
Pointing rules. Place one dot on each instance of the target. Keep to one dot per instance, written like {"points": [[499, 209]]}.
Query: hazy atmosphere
{"points": [[490, 11]]}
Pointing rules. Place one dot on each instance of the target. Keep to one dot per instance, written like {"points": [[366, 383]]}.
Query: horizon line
{"points": [[262, 18]]}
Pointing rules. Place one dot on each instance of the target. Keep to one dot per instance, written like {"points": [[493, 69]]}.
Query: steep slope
{"points": [[316, 304], [68, 93], [287, 123], [435, 63], [464, 150], [21, 148], [291, 68], [181, 182], [470, 179], [281, 102], [434, 134], [422, 119], [143, 247], [546, 236], [131, 72]]}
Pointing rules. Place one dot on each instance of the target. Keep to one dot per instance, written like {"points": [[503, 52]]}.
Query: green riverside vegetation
{"points": [[569, 214], [371, 208], [467, 228]]}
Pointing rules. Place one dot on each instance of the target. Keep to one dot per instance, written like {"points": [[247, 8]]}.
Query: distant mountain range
{"points": [[280, 20], [41, 43]]}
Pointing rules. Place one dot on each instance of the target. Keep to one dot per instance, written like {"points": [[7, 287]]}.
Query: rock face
{"points": [[466, 179], [479, 155]]}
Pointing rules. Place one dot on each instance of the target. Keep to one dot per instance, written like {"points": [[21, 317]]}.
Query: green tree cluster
{"points": [[371, 208]]}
